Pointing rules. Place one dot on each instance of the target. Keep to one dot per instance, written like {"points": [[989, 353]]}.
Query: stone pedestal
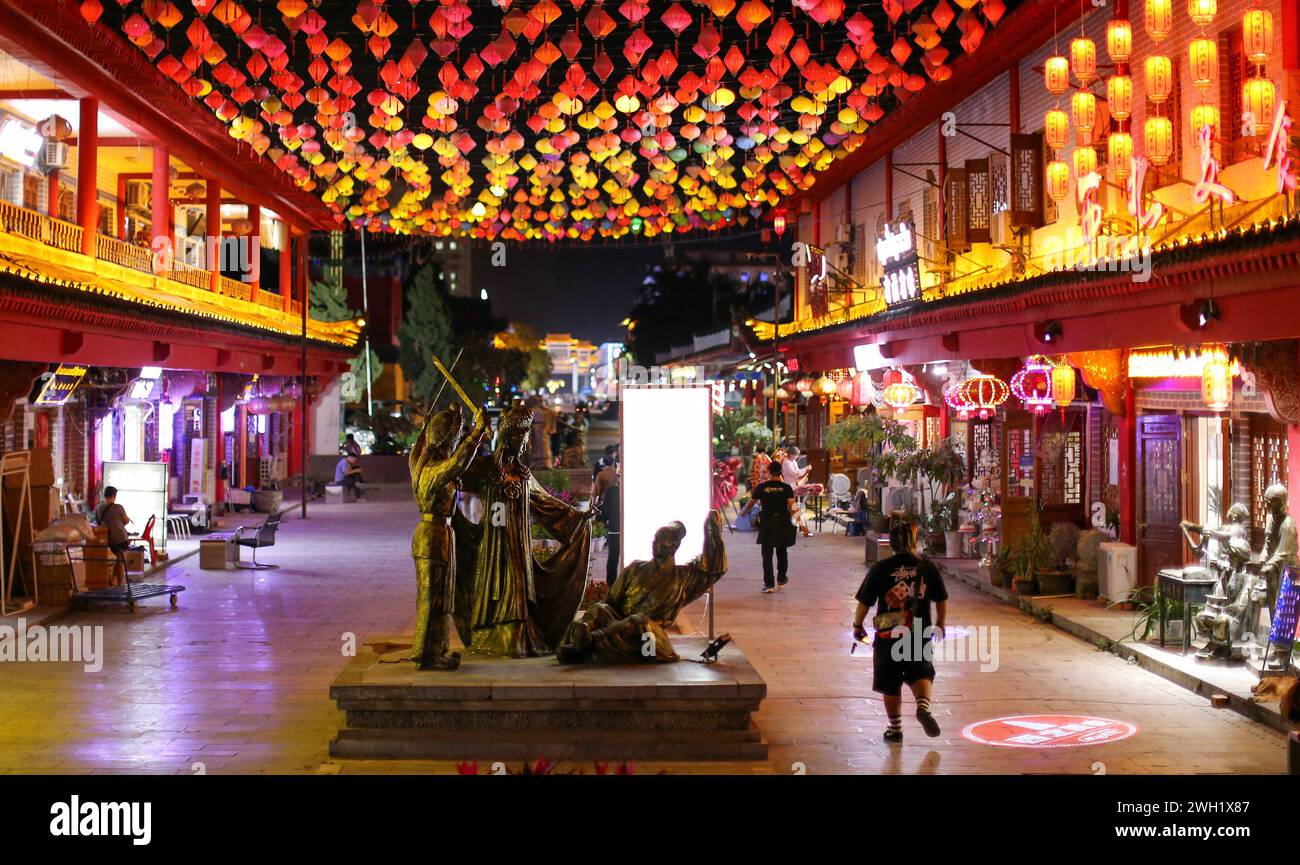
{"points": [[506, 709]]}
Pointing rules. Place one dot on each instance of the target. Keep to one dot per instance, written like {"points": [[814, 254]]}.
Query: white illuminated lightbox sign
{"points": [[142, 493], [901, 274], [667, 453]]}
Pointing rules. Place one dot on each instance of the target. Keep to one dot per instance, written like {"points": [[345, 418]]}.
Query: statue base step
{"points": [[522, 709]]}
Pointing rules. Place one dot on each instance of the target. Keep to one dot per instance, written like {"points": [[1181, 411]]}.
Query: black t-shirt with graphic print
{"points": [[919, 575]]}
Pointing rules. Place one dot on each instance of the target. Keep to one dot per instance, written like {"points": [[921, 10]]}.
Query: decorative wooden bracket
{"points": [[1276, 366]]}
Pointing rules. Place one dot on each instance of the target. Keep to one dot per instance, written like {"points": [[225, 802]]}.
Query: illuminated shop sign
{"points": [[61, 385], [19, 140], [896, 252], [143, 386]]}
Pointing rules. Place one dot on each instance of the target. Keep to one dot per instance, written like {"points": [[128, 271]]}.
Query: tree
{"points": [[521, 337], [426, 331], [328, 301]]}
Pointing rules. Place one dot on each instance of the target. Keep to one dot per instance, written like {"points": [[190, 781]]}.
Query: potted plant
{"points": [[1056, 578], [935, 472], [879, 442], [726, 426], [1031, 555], [1147, 603], [1086, 565], [1001, 566]]}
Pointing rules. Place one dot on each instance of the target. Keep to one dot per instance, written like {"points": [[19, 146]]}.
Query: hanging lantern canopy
{"points": [[1119, 150], [1119, 40], [1083, 111], [900, 390], [1085, 161], [824, 387], [1056, 129], [1033, 384], [1216, 382], [1159, 78], [1158, 139], [804, 386], [1062, 383], [1159, 19], [1203, 61], [1056, 75], [1119, 96], [1083, 60], [1257, 100], [1257, 35], [983, 393], [1202, 12], [1058, 180], [953, 398], [1204, 115]]}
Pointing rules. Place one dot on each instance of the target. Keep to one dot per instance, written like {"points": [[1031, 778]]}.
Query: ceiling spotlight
{"points": [[1209, 312], [1049, 333]]}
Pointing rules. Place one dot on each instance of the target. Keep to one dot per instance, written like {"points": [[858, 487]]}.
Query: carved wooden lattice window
{"points": [[1268, 463], [958, 209], [979, 200], [930, 214], [998, 169], [1026, 180], [984, 454], [1060, 461], [1232, 74]]}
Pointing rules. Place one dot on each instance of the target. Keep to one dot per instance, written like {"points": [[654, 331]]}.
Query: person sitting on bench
{"points": [[347, 474]]}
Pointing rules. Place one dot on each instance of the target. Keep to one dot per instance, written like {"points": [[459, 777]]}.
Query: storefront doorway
{"points": [[1160, 542]]}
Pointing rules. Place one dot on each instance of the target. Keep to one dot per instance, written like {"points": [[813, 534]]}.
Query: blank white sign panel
{"points": [[667, 452]]}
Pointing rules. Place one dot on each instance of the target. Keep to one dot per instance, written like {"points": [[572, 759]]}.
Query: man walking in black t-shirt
{"points": [[775, 524], [902, 588]]}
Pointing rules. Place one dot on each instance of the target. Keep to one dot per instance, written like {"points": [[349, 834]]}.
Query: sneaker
{"points": [[781, 584], [928, 723], [767, 590], [893, 736]]}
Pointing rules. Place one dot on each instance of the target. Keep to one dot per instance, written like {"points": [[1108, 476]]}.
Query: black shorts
{"points": [[889, 676], [120, 547]]}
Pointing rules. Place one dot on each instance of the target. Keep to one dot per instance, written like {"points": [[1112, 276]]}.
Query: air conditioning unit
{"points": [[137, 194], [55, 156], [844, 233], [1000, 231], [1117, 571]]}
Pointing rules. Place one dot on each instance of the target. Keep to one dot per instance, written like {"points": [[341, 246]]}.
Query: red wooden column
{"points": [[212, 217], [52, 194], [303, 280], [1128, 480], [87, 168], [254, 251], [160, 204], [286, 266], [1293, 463]]}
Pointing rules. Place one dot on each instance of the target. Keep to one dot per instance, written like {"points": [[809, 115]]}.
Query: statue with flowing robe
{"points": [[630, 624], [510, 605], [437, 459]]}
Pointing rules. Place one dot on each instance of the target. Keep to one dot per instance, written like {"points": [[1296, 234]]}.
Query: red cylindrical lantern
{"points": [[1056, 129], [1119, 96], [1083, 111], [1159, 78], [1158, 139], [1056, 75], [1203, 61], [1159, 19], [1257, 35], [1119, 40], [1083, 60]]}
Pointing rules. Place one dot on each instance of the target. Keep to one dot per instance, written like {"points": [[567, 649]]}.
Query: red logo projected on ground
{"points": [[1048, 731]]}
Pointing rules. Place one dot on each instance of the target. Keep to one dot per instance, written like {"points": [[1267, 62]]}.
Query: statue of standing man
{"points": [[438, 458], [1280, 547]]}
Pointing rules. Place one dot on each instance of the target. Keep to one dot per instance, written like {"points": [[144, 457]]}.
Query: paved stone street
{"points": [[237, 677]]}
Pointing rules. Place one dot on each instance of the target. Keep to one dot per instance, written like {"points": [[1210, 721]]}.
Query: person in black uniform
{"points": [[776, 531], [902, 588]]}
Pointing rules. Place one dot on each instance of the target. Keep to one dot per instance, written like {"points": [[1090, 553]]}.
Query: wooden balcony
{"points": [[40, 246]]}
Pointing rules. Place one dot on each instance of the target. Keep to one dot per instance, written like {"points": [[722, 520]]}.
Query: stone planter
{"points": [[1026, 587], [1055, 582], [268, 501], [997, 578], [952, 544]]}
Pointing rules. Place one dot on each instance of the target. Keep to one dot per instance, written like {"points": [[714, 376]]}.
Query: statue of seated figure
{"points": [[629, 625], [1233, 604]]}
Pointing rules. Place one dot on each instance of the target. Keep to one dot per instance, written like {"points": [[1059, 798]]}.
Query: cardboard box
{"points": [[45, 507], [41, 471]]}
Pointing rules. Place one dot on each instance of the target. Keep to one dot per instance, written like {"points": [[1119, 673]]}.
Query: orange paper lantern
{"points": [[1159, 19], [1119, 39], [1083, 60], [1158, 139], [1056, 75], [1119, 96], [1159, 78], [1257, 35], [1203, 61], [1058, 180]]}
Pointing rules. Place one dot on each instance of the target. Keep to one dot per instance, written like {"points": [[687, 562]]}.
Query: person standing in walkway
{"points": [[605, 494], [112, 516], [758, 467], [902, 587], [776, 532]]}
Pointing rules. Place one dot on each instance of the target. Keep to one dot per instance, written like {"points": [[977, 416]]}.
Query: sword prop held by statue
{"points": [[455, 385], [433, 405]]}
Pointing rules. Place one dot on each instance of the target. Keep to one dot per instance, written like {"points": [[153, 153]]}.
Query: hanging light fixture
{"points": [[1257, 34], [983, 393], [804, 386], [1202, 12], [953, 398], [1119, 40], [1056, 129], [1033, 384], [846, 388], [1257, 100], [1083, 60], [1203, 61], [1158, 140], [778, 224], [1058, 180], [1085, 161], [1062, 383], [1119, 150], [1204, 114], [1119, 96], [1159, 19], [1216, 383], [824, 387], [1159, 78], [1083, 111], [900, 390], [1056, 75]]}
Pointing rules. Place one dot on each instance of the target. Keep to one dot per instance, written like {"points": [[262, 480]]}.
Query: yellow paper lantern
{"points": [[1083, 60], [1058, 180], [1216, 383], [1119, 96], [1159, 78], [824, 387], [1202, 12], [1056, 75], [1119, 39], [1085, 161], [1258, 98], [1062, 383], [1159, 19], [1158, 139], [1257, 35], [1083, 111], [1204, 115], [1203, 61], [1119, 150], [1056, 129]]}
